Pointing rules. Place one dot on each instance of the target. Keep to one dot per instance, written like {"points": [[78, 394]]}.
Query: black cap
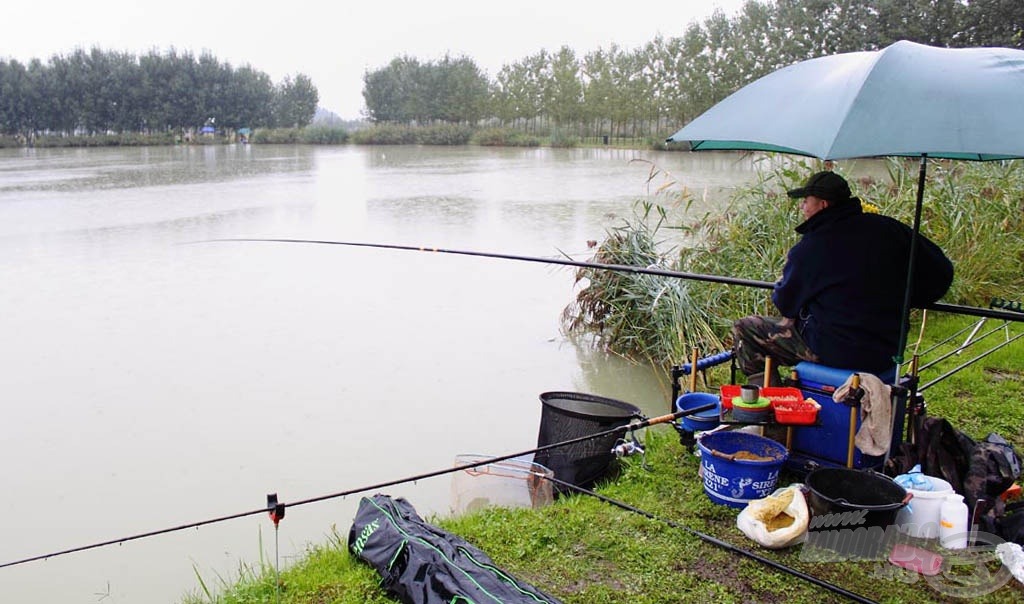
{"points": [[826, 185]]}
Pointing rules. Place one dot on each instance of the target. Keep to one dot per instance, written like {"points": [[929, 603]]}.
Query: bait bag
{"points": [[422, 564], [777, 521]]}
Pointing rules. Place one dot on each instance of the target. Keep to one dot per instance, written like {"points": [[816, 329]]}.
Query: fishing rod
{"points": [[277, 509], [622, 268], [970, 362], [974, 339], [719, 543]]}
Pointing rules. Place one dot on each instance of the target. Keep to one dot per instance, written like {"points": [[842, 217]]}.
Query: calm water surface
{"points": [[149, 382]]}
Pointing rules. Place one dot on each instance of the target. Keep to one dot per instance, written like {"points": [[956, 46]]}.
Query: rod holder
{"points": [[275, 509]]}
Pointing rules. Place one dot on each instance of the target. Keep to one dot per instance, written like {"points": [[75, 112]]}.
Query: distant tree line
{"points": [[102, 92], [646, 91]]}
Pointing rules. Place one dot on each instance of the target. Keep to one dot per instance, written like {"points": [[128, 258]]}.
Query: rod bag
{"points": [[422, 564]]}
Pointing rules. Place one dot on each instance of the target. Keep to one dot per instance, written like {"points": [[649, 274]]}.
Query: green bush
{"points": [[443, 134], [504, 137], [323, 135], [276, 136], [401, 134], [563, 140], [384, 134]]}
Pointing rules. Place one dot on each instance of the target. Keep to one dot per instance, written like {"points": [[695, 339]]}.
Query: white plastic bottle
{"points": [[953, 522]]}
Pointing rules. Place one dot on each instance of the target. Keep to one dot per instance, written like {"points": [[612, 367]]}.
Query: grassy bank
{"points": [[585, 551], [582, 550]]}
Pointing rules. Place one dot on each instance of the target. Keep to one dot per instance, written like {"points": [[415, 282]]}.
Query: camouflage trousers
{"points": [[756, 337]]}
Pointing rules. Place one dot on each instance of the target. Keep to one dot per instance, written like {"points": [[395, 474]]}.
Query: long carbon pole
{"points": [[622, 268], [721, 543], [636, 425]]}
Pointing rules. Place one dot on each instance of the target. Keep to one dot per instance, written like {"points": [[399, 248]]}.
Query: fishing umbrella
{"points": [[905, 100]]}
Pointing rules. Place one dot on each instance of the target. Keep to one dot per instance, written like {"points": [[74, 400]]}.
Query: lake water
{"points": [[149, 383]]}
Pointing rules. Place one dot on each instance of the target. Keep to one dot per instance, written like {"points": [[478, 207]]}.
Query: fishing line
{"points": [[277, 509], [720, 543], [622, 268]]}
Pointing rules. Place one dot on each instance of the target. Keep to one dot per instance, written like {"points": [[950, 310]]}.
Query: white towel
{"points": [[875, 434]]}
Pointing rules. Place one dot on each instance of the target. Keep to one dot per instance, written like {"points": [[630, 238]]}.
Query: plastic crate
{"points": [[776, 394], [800, 413]]}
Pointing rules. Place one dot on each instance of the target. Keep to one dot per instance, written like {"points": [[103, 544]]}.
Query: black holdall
{"points": [[422, 564]]}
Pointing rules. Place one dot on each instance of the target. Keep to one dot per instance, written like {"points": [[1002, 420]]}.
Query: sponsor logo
{"points": [[364, 536]]}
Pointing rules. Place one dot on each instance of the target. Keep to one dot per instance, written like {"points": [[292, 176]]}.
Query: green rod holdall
{"points": [[422, 564]]}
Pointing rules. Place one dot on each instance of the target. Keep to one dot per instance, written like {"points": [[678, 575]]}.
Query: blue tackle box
{"points": [[827, 442]]}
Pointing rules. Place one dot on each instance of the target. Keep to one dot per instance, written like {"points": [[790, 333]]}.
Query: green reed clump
{"points": [[639, 316]]}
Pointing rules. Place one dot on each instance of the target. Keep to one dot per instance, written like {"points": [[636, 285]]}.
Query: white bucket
{"points": [[920, 518]]}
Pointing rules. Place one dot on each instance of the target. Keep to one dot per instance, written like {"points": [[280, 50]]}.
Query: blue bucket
{"points": [[736, 481], [704, 420]]}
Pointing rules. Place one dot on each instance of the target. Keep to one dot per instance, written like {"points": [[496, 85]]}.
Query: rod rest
{"points": [[702, 364]]}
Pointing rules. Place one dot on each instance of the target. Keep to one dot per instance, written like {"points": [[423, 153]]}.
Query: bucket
{"points": [[511, 483], [920, 518], [702, 420], [850, 499], [570, 415], [739, 467]]}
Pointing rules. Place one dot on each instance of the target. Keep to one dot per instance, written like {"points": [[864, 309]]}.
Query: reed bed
{"points": [[974, 211]]}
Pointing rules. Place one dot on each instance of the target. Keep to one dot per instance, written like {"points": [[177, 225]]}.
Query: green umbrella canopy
{"points": [[904, 100]]}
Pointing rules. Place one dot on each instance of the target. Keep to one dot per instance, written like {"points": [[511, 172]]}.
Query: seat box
{"points": [[827, 443]]}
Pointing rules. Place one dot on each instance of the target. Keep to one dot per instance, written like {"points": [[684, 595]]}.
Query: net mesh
{"points": [[569, 415]]}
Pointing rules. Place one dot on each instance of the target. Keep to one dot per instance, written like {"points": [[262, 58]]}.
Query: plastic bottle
{"points": [[953, 522]]}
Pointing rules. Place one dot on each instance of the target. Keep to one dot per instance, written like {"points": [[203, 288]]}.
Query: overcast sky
{"points": [[335, 43]]}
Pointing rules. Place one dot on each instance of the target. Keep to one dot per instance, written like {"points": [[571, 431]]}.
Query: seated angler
{"points": [[841, 293]]}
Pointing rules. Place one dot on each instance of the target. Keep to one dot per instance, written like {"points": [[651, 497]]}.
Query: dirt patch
{"points": [[997, 374]]}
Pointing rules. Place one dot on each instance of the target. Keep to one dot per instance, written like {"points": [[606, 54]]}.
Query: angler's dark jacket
{"points": [[844, 282]]}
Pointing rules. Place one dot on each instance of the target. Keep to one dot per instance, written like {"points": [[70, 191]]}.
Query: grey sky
{"points": [[335, 43]]}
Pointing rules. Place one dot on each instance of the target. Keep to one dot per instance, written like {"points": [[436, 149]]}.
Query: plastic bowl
{"points": [[762, 403], [751, 416], [700, 421]]}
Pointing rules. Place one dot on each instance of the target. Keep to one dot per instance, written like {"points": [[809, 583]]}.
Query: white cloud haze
{"points": [[336, 43]]}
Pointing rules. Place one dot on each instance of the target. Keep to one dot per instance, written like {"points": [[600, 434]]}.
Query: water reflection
{"points": [[78, 170]]}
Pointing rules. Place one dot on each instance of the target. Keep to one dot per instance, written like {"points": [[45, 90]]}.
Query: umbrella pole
{"points": [[905, 319]]}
